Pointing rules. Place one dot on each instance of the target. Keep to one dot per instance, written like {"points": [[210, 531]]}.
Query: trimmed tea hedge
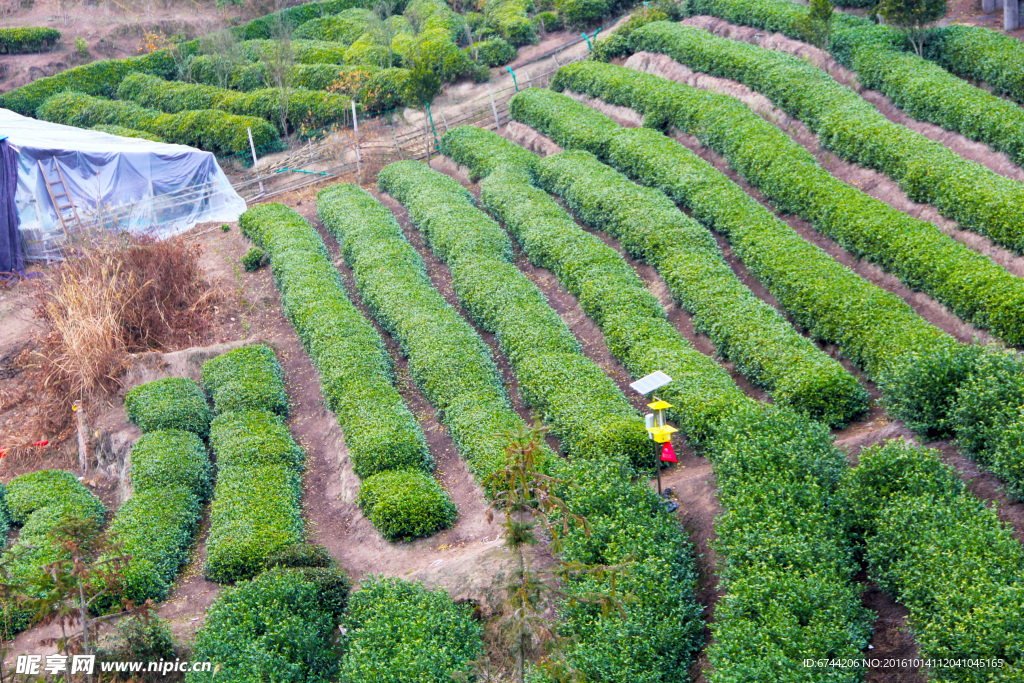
{"points": [[874, 328], [24, 39], [262, 27], [253, 438], [278, 626], [41, 502], [247, 378], [302, 51], [169, 403], [438, 342], [304, 107], [248, 76], [941, 552], [982, 54], [256, 512], [355, 374], [493, 52], [98, 78], [924, 90], [406, 504], [965, 191], [345, 27], [127, 132], [171, 459], [398, 631], [970, 284], [209, 129], [763, 344], [582, 404], [510, 19]]}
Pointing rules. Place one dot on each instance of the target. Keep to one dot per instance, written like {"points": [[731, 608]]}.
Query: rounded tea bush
{"points": [[495, 52], [171, 458], [253, 259], [169, 403], [406, 504]]}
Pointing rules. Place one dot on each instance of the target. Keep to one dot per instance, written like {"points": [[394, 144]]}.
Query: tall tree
{"points": [[911, 16]]}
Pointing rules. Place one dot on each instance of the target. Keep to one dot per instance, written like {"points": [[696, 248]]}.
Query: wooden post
{"points": [[252, 148], [355, 136], [397, 146], [83, 438], [494, 109]]}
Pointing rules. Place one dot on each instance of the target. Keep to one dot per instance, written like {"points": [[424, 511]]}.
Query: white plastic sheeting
{"points": [[115, 183]]}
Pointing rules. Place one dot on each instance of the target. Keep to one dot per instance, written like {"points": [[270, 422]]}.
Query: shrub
{"points": [[276, 624], [155, 527], [128, 132], [301, 555], [406, 504], [392, 281], [970, 284], [548, 22], [253, 438], [494, 52], [399, 631], [140, 640], [988, 403], [582, 13], [247, 378], [511, 20], [979, 53], [568, 390], [384, 90], [254, 259], [380, 431], [1008, 458], [169, 403], [262, 27], [255, 513], [346, 27], [965, 191], [27, 39], [210, 129], [171, 458], [332, 587], [303, 51]]}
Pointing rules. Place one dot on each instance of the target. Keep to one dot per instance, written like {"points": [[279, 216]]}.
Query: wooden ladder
{"points": [[58, 189]]}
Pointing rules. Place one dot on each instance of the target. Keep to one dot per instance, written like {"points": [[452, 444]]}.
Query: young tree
{"points": [[911, 16], [422, 87], [819, 23], [222, 48], [280, 63]]}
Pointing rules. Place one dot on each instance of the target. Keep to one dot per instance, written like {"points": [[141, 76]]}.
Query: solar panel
{"points": [[651, 382]]}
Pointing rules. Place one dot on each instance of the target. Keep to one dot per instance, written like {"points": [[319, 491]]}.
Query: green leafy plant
{"points": [[251, 438], [171, 458], [248, 378], [28, 39], [169, 403], [406, 504], [911, 16]]}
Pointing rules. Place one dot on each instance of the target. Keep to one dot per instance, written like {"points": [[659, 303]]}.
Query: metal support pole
{"points": [[529, 81], [494, 109], [657, 465]]}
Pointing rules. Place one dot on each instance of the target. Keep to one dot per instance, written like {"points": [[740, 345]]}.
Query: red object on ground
{"points": [[3, 452], [44, 442], [668, 454]]}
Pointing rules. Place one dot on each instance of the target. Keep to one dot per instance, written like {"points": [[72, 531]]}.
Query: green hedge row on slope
{"points": [[98, 78], [302, 51], [657, 636], [965, 191], [127, 132], [398, 631], [355, 369], [878, 54], [982, 54], [941, 552], [344, 27], [295, 17], [169, 403], [41, 502], [171, 459], [312, 108], [438, 342], [744, 329], [971, 285], [381, 433], [247, 378], [22, 39], [875, 329], [510, 19], [210, 129], [253, 438], [279, 626], [584, 407]]}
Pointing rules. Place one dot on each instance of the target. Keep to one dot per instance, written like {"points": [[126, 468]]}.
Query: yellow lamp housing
{"points": [[662, 434]]}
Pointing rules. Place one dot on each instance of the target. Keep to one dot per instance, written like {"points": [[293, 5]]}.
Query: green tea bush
{"points": [[511, 20], [494, 52], [248, 378], [128, 132], [24, 39], [399, 631], [252, 438], [438, 342], [917, 252], [254, 259], [210, 129], [276, 625], [346, 27], [332, 586], [1008, 458], [380, 431], [256, 512], [263, 27], [169, 403], [171, 459], [988, 403], [571, 392], [548, 22], [155, 527], [40, 503], [916, 365], [744, 329], [140, 640], [98, 78], [981, 54], [583, 13], [965, 191], [406, 504], [878, 55], [384, 90], [942, 553], [302, 51], [301, 555]]}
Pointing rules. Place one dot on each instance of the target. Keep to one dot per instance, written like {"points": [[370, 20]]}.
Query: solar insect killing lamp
{"points": [[658, 429]]}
